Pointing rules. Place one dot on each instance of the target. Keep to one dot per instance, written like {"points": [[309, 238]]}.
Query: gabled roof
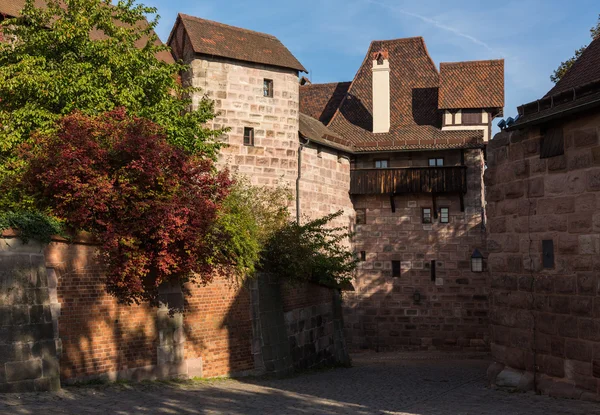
{"points": [[415, 120], [217, 39], [320, 101], [577, 91], [474, 84], [586, 69], [12, 8], [314, 130]]}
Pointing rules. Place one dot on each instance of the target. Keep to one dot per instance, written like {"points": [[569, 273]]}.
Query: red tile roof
{"points": [[217, 39], [475, 84], [415, 120], [586, 69], [320, 101]]}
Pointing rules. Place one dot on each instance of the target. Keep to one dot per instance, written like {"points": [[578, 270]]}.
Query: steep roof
{"points": [[212, 38], [578, 90], [315, 131], [320, 101], [12, 8], [586, 69], [474, 84], [415, 120]]}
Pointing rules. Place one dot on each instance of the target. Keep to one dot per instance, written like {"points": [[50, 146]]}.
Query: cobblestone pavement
{"points": [[382, 383]]}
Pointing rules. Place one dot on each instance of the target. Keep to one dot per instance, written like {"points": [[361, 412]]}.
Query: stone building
{"points": [[543, 187], [400, 149]]}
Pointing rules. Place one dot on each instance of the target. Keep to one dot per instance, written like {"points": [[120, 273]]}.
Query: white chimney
{"points": [[381, 92]]}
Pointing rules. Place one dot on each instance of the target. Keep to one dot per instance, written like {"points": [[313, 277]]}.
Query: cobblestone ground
{"points": [[414, 384]]}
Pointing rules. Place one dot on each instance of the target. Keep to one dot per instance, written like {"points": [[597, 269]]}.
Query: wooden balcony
{"points": [[451, 179]]}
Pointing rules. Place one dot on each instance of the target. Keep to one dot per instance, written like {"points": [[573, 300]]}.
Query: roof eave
{"points": [[554, 116]]}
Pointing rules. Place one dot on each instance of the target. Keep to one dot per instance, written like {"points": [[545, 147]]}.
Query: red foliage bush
{"points": [[151, 205]]}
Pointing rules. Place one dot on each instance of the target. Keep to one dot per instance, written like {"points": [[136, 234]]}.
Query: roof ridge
{"points": [[474, 63], [401, 39], [241, 29]]}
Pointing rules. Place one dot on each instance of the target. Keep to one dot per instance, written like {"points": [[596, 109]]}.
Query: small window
{"points": [[363, 255], [553, 143], [268, 88], [381, 164], [248, 136], [437, 162], [471, 117], [396, 270], [444, 215], [426, 215], [361, 216]]}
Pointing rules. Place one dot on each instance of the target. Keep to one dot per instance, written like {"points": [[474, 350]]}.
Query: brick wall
{"points": [[453, 310], [545, 320]]}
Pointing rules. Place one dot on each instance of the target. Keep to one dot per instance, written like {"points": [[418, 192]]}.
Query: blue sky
{"points": [[331, 37]]}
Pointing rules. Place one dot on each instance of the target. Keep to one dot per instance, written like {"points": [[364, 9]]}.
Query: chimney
{"points": [[381, 92]]}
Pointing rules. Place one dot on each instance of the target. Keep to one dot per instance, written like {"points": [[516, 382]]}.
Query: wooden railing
{"points": [[452, 179]]}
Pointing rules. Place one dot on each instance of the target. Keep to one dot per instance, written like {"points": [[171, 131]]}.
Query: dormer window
{"points": [[379, 58]]}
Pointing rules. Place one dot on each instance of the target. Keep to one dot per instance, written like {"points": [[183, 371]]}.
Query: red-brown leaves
{"points": [[151, 205]]}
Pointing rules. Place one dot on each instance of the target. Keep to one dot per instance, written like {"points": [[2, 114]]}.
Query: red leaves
{"points": [[150, 204]]}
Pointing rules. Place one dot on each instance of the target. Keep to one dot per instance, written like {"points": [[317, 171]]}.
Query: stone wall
{"points": [[545, 321], [29, 343], [453, 309]]}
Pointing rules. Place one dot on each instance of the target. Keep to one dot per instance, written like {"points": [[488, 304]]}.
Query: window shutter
{"points": [[553, 143]]}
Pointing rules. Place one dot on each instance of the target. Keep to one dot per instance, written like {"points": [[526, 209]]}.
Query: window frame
{"points": [[249, 133], [387, 163], [363, 214], [267, 88], [423, 209], [435, 162], [442, 215]]}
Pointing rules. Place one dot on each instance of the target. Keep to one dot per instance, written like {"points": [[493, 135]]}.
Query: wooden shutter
{"points": [[553, 143]]}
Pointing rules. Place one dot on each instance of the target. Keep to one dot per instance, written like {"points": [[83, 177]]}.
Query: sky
{"points": [[331, 37]]}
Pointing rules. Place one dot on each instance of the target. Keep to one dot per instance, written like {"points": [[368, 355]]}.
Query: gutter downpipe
{"points": [[300, 148]]}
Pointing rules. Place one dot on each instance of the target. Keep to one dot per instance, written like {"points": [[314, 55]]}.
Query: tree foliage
{"points": [[150, 204], [566, 65], [91, 56]]}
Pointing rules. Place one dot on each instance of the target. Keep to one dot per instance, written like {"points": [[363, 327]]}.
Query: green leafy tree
{"points": [[564, 66], [91, 56]]}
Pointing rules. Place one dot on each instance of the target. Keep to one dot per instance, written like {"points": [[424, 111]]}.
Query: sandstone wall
{"points": [[545, 321], [453, 310]]}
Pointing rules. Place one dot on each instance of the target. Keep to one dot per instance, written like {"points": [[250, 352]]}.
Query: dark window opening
{"points": [[471, 117], [381, 164], [268, 88], [248, 136], [548, 253], [361, 216], [444, 215], [433, 270], [426, 215], [437, 162], [363, 255], [552, 143], [396, 269]]}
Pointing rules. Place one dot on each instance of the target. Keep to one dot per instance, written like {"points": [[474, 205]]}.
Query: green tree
{"points": [[564, 66], [91, 56]]}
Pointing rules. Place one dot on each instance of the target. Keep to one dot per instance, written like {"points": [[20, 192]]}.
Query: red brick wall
{"points": [[453, 311], [98, 335], [546, 320], [218, 327], [304, 295]]}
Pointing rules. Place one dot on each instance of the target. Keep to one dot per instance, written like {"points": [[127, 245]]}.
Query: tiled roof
{"points": [[217, 39], [320, 101], [315, 131], [12, 8], [586, 69], [415, 120], [476, 84]]}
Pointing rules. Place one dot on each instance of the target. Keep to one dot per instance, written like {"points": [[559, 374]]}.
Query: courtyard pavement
{"points": [[383, 383]]}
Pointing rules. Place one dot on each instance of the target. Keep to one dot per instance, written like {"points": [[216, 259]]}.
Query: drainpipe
{"points": [[300, 148]]}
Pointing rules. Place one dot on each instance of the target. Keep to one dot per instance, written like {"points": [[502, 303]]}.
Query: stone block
{"points": [[578, 350], [25, 370]]}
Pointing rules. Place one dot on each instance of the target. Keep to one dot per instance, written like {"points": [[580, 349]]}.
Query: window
{"points": [[363, 255], [248, 136], [396, 269], [437, 162], [426, 215], [361, 216], [553, 143], [444, 215], [471, 117], [268, 88], [381, 164]]}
